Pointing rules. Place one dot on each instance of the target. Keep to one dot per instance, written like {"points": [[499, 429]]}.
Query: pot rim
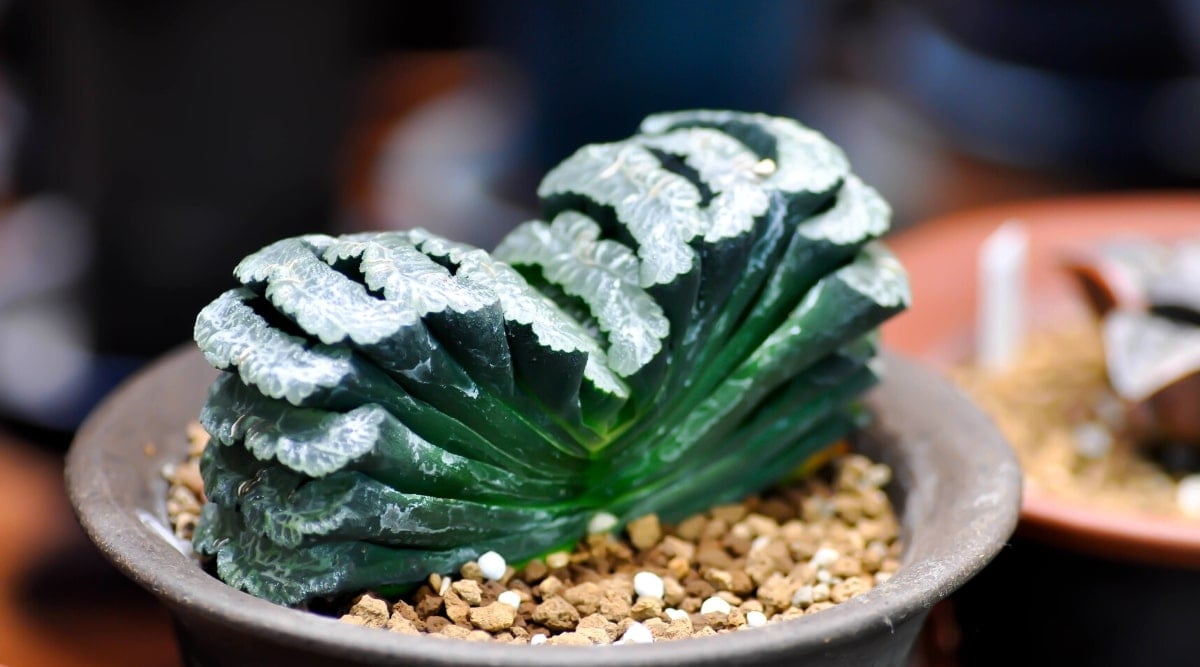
{"points": [[1054, 225], [133, 545]]}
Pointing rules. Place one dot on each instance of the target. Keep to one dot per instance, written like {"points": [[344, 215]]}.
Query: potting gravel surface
{"points": [[1055, 406], [796, 550]]}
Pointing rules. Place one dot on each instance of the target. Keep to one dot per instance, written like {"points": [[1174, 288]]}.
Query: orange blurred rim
{"points": [[1055, 225]]}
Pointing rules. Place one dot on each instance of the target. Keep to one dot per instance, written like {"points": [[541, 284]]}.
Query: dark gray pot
{"points": [[957, 488]]}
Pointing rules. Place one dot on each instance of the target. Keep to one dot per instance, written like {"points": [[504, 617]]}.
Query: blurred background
{"points": [[145, 147]]}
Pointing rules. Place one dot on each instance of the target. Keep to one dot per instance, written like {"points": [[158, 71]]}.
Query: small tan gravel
{"points": [[469, 591], [372, 611], [795, 551], [557, 614], [495, 617]]}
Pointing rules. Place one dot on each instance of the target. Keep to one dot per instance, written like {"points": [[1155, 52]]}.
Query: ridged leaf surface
{"points": [[691, 319]]}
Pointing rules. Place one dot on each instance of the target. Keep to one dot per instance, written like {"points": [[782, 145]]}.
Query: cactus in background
{"points": [[692, 319]]}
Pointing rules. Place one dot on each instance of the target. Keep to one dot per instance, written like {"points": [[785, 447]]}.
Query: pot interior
{"points": [[956, 489]]}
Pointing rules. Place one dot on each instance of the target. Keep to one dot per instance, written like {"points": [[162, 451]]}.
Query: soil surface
{"points": [[796, 550], [1069, 429]]}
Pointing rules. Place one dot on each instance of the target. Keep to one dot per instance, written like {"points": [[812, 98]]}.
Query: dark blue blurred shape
{"points": [[598, 68], [1106, 88]]}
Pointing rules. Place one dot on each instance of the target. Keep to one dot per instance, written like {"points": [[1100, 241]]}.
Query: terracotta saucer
{"points": [[940, 257]]}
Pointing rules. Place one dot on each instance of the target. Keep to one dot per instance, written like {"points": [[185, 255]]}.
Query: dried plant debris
{"points": [[796, 550], [1072, 432]]}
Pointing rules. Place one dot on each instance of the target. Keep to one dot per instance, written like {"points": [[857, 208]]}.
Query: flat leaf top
{"points": [[729, 170], [859, 213], [882, 279], [657, 208], [805, 160], [692, 318], [309, 441], [233, 335], [552, 329], [301, 285], [570, 254], [392, 266]]}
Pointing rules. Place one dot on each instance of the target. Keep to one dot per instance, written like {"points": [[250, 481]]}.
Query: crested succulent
{"points": [[692, 319]]}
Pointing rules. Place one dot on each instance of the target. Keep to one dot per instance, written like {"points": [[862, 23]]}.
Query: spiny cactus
{"points": [[691, 320]]}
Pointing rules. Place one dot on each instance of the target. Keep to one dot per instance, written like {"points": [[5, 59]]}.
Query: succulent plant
{"points": [[692, 319], [1147, 294]]}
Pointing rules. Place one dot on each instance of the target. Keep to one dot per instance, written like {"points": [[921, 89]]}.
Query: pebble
{"points": [[556, 614], [495, 617], [756, 619], [877, 475], [678, 549], [825, 557], [1187, 494], [601, 522], [510, 598], [470, 570], [549, 587], [615, 605], [537, 639], [570, 639], [849, 588], [535, 571], [648, 584], [803, 597], [676, 614], [731, 513], [372, 610], [777, 591], [636, 634], [594, 635], [455, 631], [402, 625], [585, 597], [457, 610], [492, 565], [588, 625], [690, 528], [469, 590], [761, 526], [820, 593], [644, 532], [646, 608], [715, 605], [1092, 440]]}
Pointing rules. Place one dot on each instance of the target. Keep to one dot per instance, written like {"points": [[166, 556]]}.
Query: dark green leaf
{"points": [[695, 320]]}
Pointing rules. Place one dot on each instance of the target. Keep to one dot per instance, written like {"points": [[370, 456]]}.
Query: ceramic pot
{"points": [[956, 488], [1080, 585]]}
